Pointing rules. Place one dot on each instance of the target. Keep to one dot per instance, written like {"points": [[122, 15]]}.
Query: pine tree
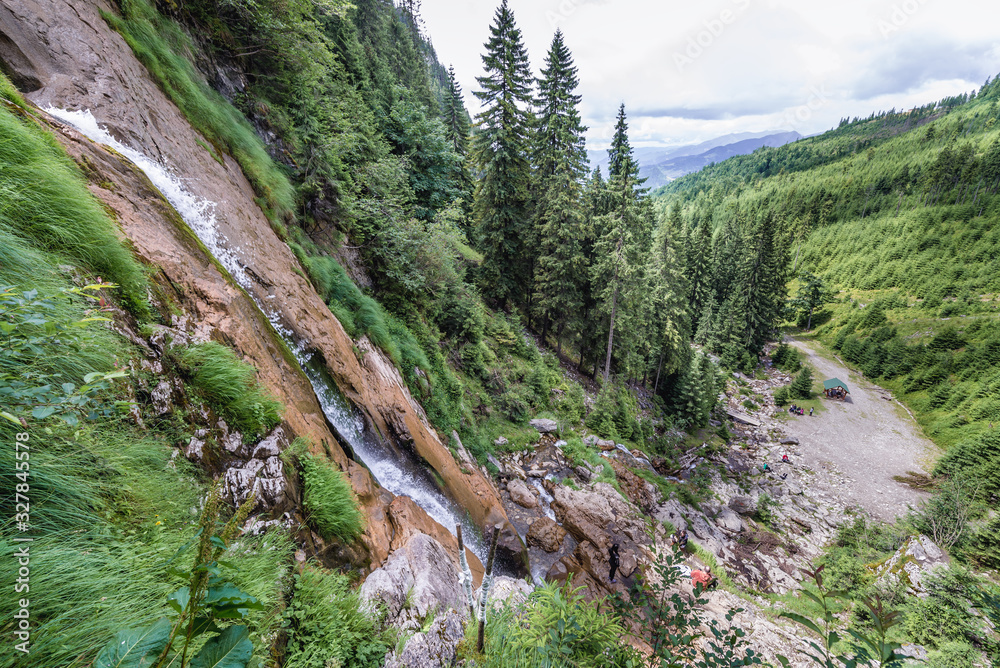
{"points": [[456, 118], [762, 274], [623, 241], [560, 165], [501, 149], [801, 387]]}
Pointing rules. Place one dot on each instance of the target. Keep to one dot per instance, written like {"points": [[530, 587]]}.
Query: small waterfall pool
{"points": [[393, 470]]}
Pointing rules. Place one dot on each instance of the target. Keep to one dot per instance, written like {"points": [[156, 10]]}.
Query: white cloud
{"points": [[692, 71]]}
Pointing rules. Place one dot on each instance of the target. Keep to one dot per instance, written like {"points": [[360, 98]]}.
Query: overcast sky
{"points": [[691, 71]]}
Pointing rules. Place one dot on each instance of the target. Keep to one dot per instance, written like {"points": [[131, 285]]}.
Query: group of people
{"points": [[836, 393], [798, 410], [679, 540]]}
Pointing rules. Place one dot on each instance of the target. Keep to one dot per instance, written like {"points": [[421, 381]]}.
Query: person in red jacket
{"points": [[704, 578]]}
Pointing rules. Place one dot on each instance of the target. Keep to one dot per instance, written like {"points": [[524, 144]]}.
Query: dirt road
{"points": [[857, 446]]}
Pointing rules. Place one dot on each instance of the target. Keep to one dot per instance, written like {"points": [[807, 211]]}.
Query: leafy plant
{"points": [[871, 648], [206, 599], [671, 623], [31, 326], [327, 625]]}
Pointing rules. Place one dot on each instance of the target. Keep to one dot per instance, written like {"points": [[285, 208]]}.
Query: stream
{"points": [[393, 470]]}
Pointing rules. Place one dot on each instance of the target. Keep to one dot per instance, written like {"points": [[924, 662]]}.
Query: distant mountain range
{"points": [[661, 165]]}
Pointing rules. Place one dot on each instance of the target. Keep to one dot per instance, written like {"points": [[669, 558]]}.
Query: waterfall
{"points": [[400, 475]]}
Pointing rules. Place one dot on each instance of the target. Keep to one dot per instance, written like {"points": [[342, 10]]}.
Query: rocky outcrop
{"points": [[917, 557], [417, 580], [546, 534], [433, 648]]}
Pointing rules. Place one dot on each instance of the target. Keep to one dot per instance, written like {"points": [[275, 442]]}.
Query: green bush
{"points": [[230, 386], [782, 396], [560, 627], [329, 501], [327, 626], [956, 654]]}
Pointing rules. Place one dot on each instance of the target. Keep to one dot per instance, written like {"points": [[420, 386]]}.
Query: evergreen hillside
{"points": [[892, 221]]}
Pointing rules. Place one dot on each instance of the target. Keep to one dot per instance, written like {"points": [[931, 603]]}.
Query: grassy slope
{"points": [[109, 502]]}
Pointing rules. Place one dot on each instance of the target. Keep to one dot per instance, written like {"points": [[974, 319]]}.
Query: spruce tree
{"points": [[668, 327], [762, 274], [801, 387], [623, 242], [698, 268], [456, 119], [560, 164], [501, 152]]}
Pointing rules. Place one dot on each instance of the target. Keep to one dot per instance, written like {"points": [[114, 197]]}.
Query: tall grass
{"points": [[44, 203], [329, 501], [230, 385], [161, 46], [110, 506]]}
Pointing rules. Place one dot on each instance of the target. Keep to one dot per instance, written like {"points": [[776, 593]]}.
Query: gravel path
{"points": [[857, 446]]}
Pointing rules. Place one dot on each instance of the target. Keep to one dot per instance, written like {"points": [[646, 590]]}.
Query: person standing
{"points": [[614, 561]]}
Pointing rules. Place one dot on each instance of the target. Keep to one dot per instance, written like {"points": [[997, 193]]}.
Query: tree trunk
{"points": [[611, 332], [614, 308], [659, 367]]}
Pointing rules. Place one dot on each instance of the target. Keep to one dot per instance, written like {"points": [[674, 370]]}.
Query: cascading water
{"points": [[398, 474]]}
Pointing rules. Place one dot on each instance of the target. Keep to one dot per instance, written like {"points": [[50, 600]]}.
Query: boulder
{"points": [[546, 534], [500, 442], [521, 494], [606, 445], [505, 589], [729, 520], [584, 514], [544, 426], [911, 563], [407, 519], [416, 580], [433, 648]]}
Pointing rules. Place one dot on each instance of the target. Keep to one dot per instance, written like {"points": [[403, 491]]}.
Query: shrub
{"points": [[326, 625], [230, 386], [782, 396], [563, 628], [329, 501]]}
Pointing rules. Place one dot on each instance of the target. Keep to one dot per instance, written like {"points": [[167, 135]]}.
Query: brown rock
{"points": [[521, 495], [546, 534]]}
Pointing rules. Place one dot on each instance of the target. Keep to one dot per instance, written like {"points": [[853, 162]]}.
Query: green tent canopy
{"points": [[834, 383]]}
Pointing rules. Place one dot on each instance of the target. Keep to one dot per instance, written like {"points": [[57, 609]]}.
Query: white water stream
{"points": [[400, 475]]}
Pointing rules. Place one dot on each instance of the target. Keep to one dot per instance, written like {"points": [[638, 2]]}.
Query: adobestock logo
{"points": [[899, 17], [711, 30]]}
